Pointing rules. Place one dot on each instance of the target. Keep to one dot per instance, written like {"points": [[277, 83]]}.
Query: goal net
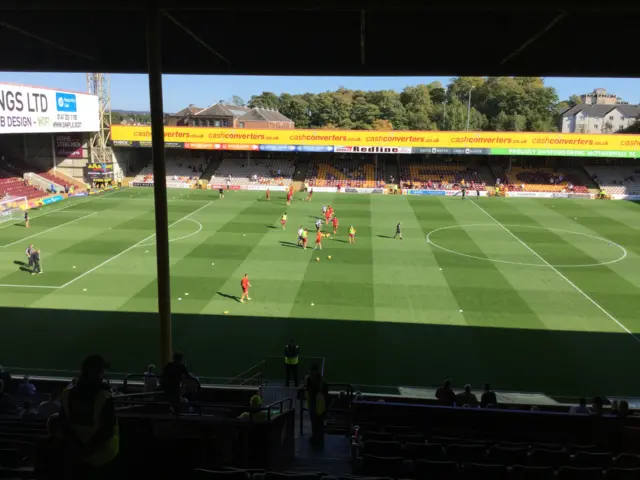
{"points": [[12, 208]]}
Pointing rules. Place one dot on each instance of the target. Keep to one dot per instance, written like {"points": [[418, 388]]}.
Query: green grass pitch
{"points": [[535, 295]]}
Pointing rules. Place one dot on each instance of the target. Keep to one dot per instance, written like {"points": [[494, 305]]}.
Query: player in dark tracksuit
{"points": [[398, 231], [29, 253], [464, 191], [35, 258]]}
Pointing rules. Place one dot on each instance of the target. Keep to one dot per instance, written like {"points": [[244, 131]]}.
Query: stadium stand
{"points": [[438, 175], [178, 172], [14, 186], [334, 172], [616, 180], [254, 172], [539, 179]]}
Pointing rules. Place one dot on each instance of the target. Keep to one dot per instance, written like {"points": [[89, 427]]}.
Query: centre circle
{"points": [[524, 264], [171, 240]]}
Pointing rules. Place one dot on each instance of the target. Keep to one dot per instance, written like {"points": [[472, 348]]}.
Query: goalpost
{"points": [[12, 208]]}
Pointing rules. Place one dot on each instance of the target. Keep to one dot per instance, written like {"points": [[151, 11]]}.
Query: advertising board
{"points": [[530, 194], [99, 170], [324, 189], [470, 193], [401, 141], [69, 146], [362, 190], [273, 188], [437, 193], [26, 109]]}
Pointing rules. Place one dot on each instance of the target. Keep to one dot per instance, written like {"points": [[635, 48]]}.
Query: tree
{"points": [[381, 124], [296, 108], [236, 100], [265, 100], [364, 114], [574, 100], [391, 108]]}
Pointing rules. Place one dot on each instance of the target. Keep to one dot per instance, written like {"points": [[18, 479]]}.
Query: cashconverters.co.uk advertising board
{"points": [[26, 109]]}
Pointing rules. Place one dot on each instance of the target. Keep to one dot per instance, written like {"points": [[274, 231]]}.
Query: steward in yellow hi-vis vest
{"points": [[291, 360], [89, 422], [316, 391]]}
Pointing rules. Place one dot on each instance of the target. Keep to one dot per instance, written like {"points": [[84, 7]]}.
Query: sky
{"points": [[131, 92]]}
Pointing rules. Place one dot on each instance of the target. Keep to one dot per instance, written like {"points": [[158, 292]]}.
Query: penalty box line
{"points": [[49, 230], [129, 248], [578, 289]]}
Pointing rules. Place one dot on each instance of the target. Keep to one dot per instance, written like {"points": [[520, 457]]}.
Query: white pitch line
{"points": [[48, 230], [129, 248], [578, 289], [61, 209], [27, 286]]}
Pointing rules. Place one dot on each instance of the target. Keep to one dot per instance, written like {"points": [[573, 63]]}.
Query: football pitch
{"points": [[533, 295]]}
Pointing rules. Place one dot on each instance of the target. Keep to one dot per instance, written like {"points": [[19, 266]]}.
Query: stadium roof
{"points": [[346, 37]]}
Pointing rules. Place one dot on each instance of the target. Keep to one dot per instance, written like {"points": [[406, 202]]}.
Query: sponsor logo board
{"points": [[273, 188], [438, 193], [69, 146], [26, 109], [363, 141], [324, 189]]}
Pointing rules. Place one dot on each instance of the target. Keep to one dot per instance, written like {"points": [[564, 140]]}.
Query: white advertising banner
{"points": [[273, 188], [25, 109], [470, 193], [617, 196], [532, 194], [324, 189]]}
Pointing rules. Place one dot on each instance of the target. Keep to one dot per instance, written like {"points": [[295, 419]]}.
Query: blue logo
{"points": [[66, 102], [437, 193], [277, 148], [313, 148]]}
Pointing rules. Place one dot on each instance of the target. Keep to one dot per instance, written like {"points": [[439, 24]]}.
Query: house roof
{"points": [[265, 115], [602, 110], [493, 37], [222, 109], [190, 110]]}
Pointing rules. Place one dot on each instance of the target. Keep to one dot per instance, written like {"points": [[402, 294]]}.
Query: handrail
{"points": [[241, 375], [257, 375]]}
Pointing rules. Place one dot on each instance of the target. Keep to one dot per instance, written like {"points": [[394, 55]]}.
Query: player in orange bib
{"points": [[268, 194], [318, 244], [335, 222], [245, 284], [327, 216]]}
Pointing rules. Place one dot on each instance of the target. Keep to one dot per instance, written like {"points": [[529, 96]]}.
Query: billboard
{"points": [[372, 141], [69, 146], [25, 109], [97, 171]]}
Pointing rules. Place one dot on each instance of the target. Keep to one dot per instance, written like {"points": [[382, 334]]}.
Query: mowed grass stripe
{"points": [[408, 286], [602, 284]]}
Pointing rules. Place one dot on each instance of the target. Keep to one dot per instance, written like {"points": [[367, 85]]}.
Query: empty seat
{"points": [[378, 436], [520, 472], [547, 446], [475, 471], [383, 449], [574, 473], [507, 456], [432, 470], [287, 476], [587, 459], [551, 458], [425, 451], [382, 466], [466, 453], [11, 458], [409, 438], [627, 460], [623, 474], [200, 473], [402, 430], [507, 444], [573, 449]]}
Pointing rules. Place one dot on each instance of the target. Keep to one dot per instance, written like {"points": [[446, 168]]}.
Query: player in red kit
{"points": [[327, 216], [334, 222], [245, 284], [289, 198], [268, 194]]}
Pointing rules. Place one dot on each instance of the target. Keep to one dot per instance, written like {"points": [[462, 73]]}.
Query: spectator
{"points": [[623, 409], [316, 391], [26, 388], [488, 397], [255, 415], [467, 398], [581, 408], [49, 407], [6, 378], [172, 375], [445, 395], [27, 411], [150, 379], [6, 400], [597, 406], [49, 458], [89, 423]]}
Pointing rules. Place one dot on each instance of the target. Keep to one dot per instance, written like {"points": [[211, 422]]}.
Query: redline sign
{"points": [[357, 149]]}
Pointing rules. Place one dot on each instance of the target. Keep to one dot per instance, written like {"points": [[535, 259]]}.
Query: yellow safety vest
{"points": [[84, 433], [290, 360], [320, 405], [352, 231]]}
